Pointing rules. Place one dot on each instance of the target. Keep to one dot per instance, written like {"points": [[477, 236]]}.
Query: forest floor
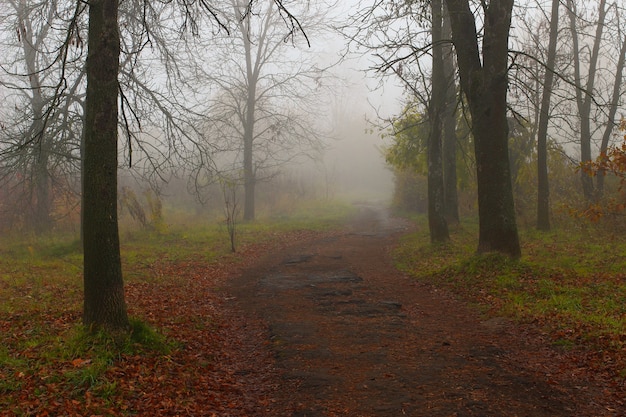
{"points": [[309, 324]]}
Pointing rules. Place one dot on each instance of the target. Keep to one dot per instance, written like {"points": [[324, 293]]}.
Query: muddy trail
{"points": [[352, 336]]}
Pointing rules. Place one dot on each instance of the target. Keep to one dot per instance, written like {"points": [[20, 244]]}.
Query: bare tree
{"points": [[596, 110], [484, 82], [113, 32], [567, 76], [543, 187], [231, 208], [104, 296], [263, 113], [584, 93], [42, 143]]}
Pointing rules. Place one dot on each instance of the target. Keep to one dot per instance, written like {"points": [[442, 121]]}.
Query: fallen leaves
{"points": [[79, 363], [220, 364]]}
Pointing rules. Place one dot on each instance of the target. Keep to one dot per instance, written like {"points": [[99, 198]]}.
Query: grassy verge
{"points": [[209, 242], [572, 284]]}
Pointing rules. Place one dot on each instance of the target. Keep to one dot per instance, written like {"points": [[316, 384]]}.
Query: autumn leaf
{"points": [[79, 363]]}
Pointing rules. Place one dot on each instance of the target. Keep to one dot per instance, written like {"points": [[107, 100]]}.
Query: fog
{"points": [[353, 161], [355, 157], [350, 169], [175, 123], [351, 126], [352, 166], [350, 117]]}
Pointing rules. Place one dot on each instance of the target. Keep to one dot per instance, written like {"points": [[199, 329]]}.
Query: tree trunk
{"points": [[583, 96], [585, 156], [42, 220], [436, 210], [543, 186], [485, 87], [249, 174], [252, 76], [249, 180], [43, 199], [610, 124], [451, 199], [104, 305]]}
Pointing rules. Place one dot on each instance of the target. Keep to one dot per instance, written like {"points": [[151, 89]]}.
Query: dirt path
{"points": [[354, 337]]}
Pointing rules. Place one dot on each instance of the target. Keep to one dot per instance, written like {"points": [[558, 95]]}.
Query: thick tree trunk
{"points": [[436, 210], [543, 186], [451, 199], [485, 86], [104, 305]]}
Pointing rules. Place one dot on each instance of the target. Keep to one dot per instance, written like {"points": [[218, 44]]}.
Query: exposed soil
{"points": [[352, 336]]}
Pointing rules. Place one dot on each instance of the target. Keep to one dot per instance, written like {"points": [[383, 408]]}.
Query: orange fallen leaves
{"points": [[79, 363]]}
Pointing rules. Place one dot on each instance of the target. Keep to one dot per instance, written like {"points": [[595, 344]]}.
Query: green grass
{"points": [[10, 367], [572, 283], [93, 353], [209, 242], [69, 362]]}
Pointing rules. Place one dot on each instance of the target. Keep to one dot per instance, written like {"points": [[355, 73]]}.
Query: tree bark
{"points": [[451, 199], [485, 87], [583, 95], [104, 304], [436, 210], [543, 186]]}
